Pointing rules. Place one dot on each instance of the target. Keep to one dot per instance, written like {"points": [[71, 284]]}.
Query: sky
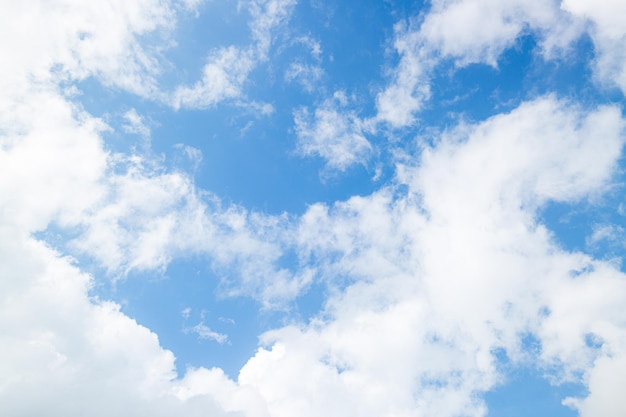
{"points": [[278, 208]]}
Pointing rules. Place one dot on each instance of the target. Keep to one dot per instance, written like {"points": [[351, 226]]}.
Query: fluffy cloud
{"points": [[332, 133], [67, 354], [608, 32], [222, 78], [76, 40], [428, 286], [479, 31], [64, 351], [227, 69]]}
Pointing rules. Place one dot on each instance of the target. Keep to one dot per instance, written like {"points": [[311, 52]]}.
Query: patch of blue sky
{"points": [[217, 24], [478, 91], [594, 227], [253, 162], [186, 309], [527, 392]]}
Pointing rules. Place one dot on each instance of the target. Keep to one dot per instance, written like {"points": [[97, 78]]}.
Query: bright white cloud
{"points": [[75, 40], [67, 353], [457, 268], [479, 31], [608, 32], [409, 87], [333, 133], [222, 78], [607, 233], [227, 69]]}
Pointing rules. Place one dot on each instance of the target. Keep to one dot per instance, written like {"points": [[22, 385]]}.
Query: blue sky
{"points": [[270, 208]]}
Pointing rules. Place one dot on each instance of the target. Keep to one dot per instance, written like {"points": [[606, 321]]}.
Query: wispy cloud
{"points": [[332, 133], [204, 332], [227, 69]]}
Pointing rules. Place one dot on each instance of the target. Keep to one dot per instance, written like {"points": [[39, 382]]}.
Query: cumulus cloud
{"points": [[608, 32], [76, 40], [67, 354], [479, 31], [65, 351], [456, 269]]}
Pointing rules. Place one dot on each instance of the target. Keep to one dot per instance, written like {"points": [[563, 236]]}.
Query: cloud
{"points": [[333, 134], [135, 124], [478, 31], [305, 74], [66, 351], [204, 332], [192, 5], [227, 68], [267, 15], [426, 287], [77, 40], [222, 78], [52, 160], [608, 33], [608, 233]]}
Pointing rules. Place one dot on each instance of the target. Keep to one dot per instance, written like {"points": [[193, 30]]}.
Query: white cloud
{"points": [[67, 353], [424, 288], [222, 78], [609, 233], [479, 31], [314, 46], [51, 160], [333, 133], [306, 75], [605, 381], [409, 87], [75, 40], [192, 5], [135, 124], [193, 155], [608, 32], [267, 15], [205, 332], [227, 68]]}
